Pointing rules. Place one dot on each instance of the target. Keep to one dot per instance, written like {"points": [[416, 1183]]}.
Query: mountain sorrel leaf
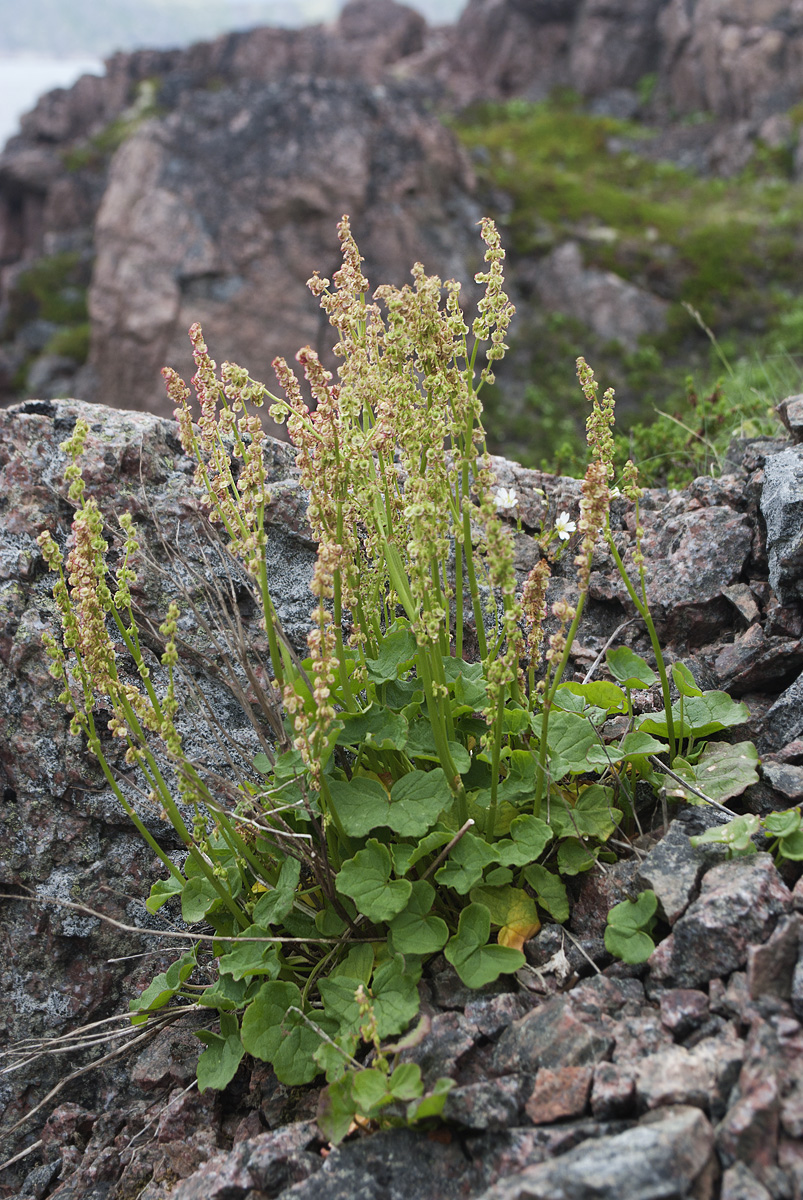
{"points": [[218, 1064], [465, 864], [366, 879], [512, 910], [593, 815], [630, 669], [722, 771], [550, 891], [416, 930], [273, 906], [529, 836], [245, 958], [468, 951]]}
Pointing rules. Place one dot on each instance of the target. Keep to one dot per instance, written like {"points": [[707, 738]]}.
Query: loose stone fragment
{"points": [[738, 906], [653, 1161], [559, 1095]]}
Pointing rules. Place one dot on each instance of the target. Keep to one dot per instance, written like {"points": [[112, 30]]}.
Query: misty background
{"points": [[46, 44]]}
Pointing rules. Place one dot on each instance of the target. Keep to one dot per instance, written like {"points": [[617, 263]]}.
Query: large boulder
{"points": [[63, 836], [220, 211]]}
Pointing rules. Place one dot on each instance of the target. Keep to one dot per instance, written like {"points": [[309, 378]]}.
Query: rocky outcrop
{"points": [[116, 188], [218, 212], [677, 1073]]}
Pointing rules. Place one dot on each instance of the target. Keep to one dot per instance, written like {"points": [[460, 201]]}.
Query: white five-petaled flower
{"points": [[564, 527], [506, 498]]}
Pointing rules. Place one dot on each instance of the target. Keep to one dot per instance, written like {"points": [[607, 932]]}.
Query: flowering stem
{"points": [[552, 686], [644, 612]]}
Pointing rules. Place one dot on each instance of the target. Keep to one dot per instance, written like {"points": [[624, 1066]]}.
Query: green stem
{"points": [[552, 687], [644, 612]]}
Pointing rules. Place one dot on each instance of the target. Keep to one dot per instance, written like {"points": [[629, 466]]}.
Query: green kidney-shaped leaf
{"points": [[635, 914], [684, 680], [218, 1064], [466, 863], [416, 930], [550, 891], [273, 906], [245, 959], [569, 737], [377, 726], [792, 846], [163, 987], [397, 650], [417, 800], [529, 836], [782, 824], [737, 835], [630, 669], [366, 879], [592, 816], [275, 1035], [722, 771], [512, 910], [702, 716], [632, 946], [369, 1088], [599, 693], [162, 891], [394, 989], [574, 857], [476, 962], [406, 856], [362, 804], [197, 898]]}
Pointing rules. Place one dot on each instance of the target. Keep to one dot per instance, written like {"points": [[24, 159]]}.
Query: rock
{"points": [[743, 600], [395, 1165], [786, 778], [782, 508], [728, 58], [682, 1009], [735, 908], [268, 1163], [750, 662], [673, 869], [790, 411], [784, 719], [491, 1104], [559, 1095], [213, 214], [702, 1077], [550, 1036], [739, 1183], [615, 309], [664, 1159], [614, 1090]]}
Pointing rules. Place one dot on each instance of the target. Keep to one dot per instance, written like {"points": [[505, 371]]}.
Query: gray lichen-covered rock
{"points": [[739, 904], [667, 1159], [782, 508]]}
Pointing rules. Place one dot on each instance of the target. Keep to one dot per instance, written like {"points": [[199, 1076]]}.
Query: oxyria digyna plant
{"points": [[427, 780]]}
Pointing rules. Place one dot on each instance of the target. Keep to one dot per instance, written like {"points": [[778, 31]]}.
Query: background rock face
{"points": [[221, 204], [216, 213]]}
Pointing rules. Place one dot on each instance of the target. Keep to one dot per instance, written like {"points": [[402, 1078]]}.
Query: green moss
{"points": [[95, 151], [733, 249], [72, 342], [53, 288]]}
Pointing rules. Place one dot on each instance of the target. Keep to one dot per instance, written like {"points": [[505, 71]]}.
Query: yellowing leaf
{"points": [[513, 910]]}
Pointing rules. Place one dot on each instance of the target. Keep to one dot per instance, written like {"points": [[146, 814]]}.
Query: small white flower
{"points": [[564, 527], [506, 498]]}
